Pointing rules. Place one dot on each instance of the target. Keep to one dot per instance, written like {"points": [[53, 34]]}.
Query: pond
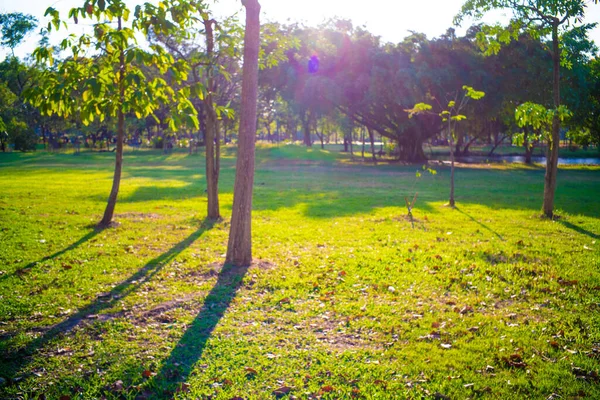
{"points": [[521, 160]]}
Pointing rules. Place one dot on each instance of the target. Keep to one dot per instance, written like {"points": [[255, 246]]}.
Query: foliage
{"points": [[88, 87], [536, 17], [14, 27], [539, 118]]}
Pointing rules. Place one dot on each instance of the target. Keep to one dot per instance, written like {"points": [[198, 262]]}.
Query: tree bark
{"points": [[212, 162], [553, 143], [239, 247], [114, 192]]}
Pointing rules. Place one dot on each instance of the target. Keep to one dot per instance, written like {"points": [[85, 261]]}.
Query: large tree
{"points": [[538, 17], [239, 247]]}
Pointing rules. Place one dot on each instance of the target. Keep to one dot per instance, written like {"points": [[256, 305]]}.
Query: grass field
{"points": [[345, 299]]}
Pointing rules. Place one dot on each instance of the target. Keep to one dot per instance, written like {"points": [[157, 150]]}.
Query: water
{"points": [[521, 160]]}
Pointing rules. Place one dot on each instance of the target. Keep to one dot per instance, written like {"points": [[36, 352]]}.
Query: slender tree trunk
{"points": [[553, 144], [239, 247], [372, 139], [114, 192], [306, 128], [212, 173], [528, 147], [362, 135], [451, 145]]}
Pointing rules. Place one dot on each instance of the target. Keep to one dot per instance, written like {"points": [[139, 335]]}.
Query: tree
{"points": [[110, 83], [212, 62], [538, 17], [539, 119], [239, 247], [14, 27], [450, 115]]}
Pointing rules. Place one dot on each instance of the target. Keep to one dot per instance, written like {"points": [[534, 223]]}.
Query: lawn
{"points": [[345, 298]]}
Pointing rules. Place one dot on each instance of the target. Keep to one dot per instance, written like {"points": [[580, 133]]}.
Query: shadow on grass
{"points": [[578, 229], [19, 360], [27, 268], [178, 366], [479, 223]]}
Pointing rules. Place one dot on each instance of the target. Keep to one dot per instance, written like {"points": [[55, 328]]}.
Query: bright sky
{"points": [[392, 20]]}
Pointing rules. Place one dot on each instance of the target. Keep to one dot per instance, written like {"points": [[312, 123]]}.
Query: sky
{"points": [[392, 20]]}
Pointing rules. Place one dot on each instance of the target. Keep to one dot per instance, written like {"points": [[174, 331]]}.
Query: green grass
{"points": [[345, 299]]}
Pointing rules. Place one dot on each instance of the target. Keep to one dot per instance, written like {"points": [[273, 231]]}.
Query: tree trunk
{"points": [[114, 192], [212, 173], [528, 146], [553, 144], [362, 136], [239, 247], [306, 129], [372, 140], [451, 145]]}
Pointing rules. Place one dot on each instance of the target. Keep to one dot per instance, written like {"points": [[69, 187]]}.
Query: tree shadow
{"points": [[176, 369], [578, 229], [479, 223], [27, 268], [19, 360]]}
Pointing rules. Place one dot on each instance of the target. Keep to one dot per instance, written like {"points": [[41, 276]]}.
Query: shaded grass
{"points": [[347, 300]]}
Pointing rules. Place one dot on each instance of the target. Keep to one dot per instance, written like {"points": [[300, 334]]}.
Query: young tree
{"points": [[539, 18], [239, 247], [450, 115], [114, 81]]}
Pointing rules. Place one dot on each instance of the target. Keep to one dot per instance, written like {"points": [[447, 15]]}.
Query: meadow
{"points": [[345, 299]]}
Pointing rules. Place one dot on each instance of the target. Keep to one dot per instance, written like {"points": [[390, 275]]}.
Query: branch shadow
{"points": [[27, 268], [103, 301], [578, 229], [176, 369], [479, 223]]}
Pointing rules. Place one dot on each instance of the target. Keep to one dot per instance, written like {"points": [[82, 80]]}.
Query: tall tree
{"points": [[111, 84], [239, 247], [14, 27], [538, 17]]}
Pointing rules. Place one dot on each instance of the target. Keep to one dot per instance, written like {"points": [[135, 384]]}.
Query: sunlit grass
{"points": [[345, 298]]}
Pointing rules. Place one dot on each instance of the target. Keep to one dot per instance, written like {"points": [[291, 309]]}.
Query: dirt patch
{"points": [[138, 217]]}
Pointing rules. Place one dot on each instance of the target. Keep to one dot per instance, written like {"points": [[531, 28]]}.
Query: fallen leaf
{"points": [[183, 388], [282, 391], [326, 389], [117, 386], [148, 374]]}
